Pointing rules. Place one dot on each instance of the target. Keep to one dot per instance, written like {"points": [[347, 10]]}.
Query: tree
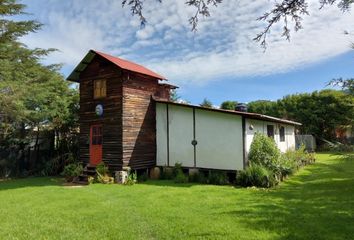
{"points": [[321, 113], [347, 85], [228, 105], [32, 95], [284, 11], [206, 103], [264, 107]]}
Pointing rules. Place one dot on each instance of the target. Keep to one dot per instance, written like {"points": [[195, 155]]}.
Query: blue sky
{"points": [[220, 61]]}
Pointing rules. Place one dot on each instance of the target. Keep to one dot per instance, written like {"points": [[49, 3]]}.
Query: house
{"points": [[127, 119]]}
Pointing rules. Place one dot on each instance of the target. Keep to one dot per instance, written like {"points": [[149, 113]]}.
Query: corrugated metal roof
{"points": [[246, 114], [124, 64]]}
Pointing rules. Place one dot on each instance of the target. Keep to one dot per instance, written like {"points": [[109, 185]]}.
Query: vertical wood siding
{"points": [[111, 119], [138, 121]]}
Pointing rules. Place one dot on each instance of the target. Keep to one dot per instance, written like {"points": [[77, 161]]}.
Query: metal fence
{"points": [[308, 141]]}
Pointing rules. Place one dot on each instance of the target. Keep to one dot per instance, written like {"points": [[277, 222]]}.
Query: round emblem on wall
{"points": [[99, 110]]}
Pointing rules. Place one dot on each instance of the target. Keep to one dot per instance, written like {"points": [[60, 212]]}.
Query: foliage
{"points": [[256, 175], [337, 147], [228, 105], [132, 178], [264, 151], [320, 113], [206, 103], [289, 12], [102, 175], [179, 176], [105, 179], [295, 159], [33, 97], [72, 170], [102, 169], [218, 177], [347, 85]]}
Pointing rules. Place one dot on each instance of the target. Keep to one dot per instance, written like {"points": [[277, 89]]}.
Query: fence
{"points": [[308, 141]]}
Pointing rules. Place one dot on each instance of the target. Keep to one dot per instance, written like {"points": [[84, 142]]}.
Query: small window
{"points": [[282, 134], [270, 131], [99, 88]]}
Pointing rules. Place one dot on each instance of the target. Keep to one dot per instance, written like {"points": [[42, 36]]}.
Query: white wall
{"points": [[261, 126], [161, 135], [181, 135], [220, 144], [218, 135]]}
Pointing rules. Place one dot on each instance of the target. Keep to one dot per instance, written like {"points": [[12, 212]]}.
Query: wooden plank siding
{"points": [[129, 120], [112, 115], [139, 121]]}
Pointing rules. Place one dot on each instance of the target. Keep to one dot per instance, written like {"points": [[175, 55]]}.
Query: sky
{"points": [[218, 62]]}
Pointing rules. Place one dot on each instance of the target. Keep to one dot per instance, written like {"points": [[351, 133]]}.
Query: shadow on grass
{"points": [[168, 183], [318, 205], [30, 182]]}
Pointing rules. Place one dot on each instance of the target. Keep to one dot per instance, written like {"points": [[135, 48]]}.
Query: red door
{"points": [[96, 144]]}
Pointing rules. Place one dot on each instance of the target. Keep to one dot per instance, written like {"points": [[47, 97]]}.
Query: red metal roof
{"points": [[124, 64], [129, 65]]}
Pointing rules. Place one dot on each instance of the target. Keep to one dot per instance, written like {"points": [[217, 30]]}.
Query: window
{"points": [[282, 134], [270, 131], [99, 88], [96, 135]]}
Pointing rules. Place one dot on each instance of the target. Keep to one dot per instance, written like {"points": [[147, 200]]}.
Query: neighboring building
{"points": [[209, 138], [127, 119]]}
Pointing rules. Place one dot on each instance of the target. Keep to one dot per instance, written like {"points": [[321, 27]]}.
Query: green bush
{"points": [[132, 178], [102, 169], [179, 176], [264, 152], [72, 170], [256, 175], [218, 177]]}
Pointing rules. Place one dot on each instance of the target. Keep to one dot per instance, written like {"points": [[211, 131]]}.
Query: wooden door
{"points": [[96, 144]]}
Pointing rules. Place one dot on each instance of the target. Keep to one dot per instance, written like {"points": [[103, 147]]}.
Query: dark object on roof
{"points": [[241, 107], [124, 64], [246, 114]]}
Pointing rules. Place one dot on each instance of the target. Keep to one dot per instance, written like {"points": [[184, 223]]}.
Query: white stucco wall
{"points": [[161, 135], [261, 126], [181, 135], [219, 137]]}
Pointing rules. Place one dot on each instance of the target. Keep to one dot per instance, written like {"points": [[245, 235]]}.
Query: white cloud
{"points": [[222, 47]]}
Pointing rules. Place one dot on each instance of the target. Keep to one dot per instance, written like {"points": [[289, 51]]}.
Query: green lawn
{"points": [[316, 203]]}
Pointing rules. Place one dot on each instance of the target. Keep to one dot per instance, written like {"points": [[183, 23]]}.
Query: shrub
{"points": [[72, 170], [218, 177], [264, 151], [132, 178], [179, 176], [256, 175], [102, 169], [198, 178]]}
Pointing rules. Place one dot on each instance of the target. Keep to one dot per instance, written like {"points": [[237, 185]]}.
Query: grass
{"points": [[316, 203]]}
